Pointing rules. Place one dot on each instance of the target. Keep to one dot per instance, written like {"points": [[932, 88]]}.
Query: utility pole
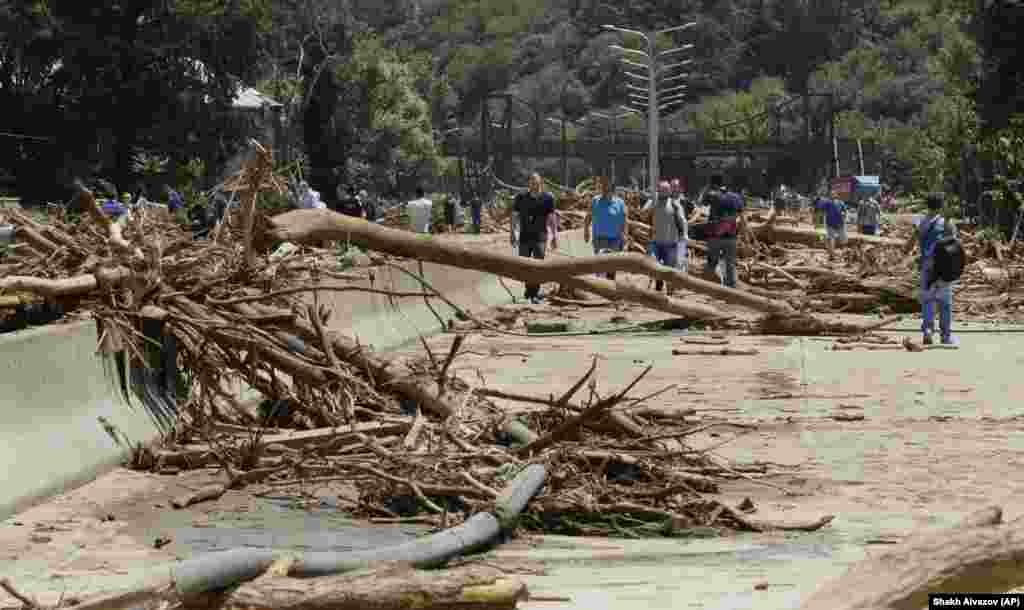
{"points": [[652, 63]]}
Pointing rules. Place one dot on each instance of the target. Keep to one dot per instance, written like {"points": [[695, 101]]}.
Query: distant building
{"points": [[266, 116]]}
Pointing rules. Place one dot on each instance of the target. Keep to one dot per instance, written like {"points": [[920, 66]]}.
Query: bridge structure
{"points": [[794, 145]]}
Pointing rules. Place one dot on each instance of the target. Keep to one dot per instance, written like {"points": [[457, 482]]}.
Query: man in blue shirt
{"points": [[608, 220], [835, 222]]}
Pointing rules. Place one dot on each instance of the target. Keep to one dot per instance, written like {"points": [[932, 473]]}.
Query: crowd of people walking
{"points": [[534, 223]]}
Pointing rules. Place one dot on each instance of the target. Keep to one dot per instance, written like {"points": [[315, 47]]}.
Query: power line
{"points": [[24, 137]]}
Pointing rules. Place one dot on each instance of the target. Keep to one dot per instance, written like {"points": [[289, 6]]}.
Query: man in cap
{"points": [[668, 219]]}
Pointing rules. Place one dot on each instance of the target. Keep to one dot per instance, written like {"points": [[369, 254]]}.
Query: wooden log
{"points": [[209, 492], [114, 228], [624, 291], [725, 351], [394, 587], [300, 438], [424, 394], [76, 285], [979, 555], [815, 238], [320, 225]]}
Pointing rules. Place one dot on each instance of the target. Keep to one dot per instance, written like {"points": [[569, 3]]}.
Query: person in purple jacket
{"points": [[835, 223]]}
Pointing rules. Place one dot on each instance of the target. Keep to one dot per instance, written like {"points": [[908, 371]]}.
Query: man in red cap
{"points": [[668, 221]]}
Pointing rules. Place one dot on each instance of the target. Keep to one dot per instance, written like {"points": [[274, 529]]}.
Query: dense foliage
{"points": [[372, 87]]}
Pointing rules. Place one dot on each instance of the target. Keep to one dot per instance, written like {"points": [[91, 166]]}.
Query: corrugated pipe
{"points": [[220, 570]]}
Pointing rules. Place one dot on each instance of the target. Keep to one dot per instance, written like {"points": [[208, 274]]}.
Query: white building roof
{"points": [[249, 98]]}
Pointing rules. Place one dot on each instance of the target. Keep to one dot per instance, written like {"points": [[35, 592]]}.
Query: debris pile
{"points": [[243, 307], [615, 466]]}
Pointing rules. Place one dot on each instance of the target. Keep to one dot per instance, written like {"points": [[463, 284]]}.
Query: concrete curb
{"points": [[53, 388], [53, 391], [372, 319]]}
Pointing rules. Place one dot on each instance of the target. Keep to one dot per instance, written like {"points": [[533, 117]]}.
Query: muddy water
{"points": [[279, 523]]}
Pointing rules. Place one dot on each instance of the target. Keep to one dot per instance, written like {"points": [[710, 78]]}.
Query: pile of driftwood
{"points": [[243, 307], [615, 467]]}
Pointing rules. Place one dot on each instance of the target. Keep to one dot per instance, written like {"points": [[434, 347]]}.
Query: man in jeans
{"points": [[476, 207], [723, 227], [932, 228], [869, 213], [608, 220], [669, 222], [534, 211]]}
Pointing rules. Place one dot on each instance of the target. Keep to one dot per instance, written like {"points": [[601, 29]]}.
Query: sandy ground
{"points": [[941, 436]]}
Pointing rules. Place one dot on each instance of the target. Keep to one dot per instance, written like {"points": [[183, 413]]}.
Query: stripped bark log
{"points": [[77, 285], [319, 225], [380, 368], [621, 290], [979, 555], [392, 587], [815, 238], [725, 351], [114, 228]]}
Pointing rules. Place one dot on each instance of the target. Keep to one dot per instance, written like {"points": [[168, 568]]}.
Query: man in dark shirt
{"points": [[723, 227], [476, 206], [533, 209], [350, 206]]}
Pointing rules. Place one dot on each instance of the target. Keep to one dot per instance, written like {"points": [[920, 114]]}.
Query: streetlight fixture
{"points": [[685, 47], [676, 77], [675, 65], [516, 126], [634, 64], [654, 70]]}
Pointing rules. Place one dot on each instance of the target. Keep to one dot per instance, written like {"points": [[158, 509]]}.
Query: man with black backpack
{"points": [[941, 263], [726, 212]]}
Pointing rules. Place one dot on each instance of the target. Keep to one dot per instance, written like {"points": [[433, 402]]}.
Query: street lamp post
{"points": [[652, 63]]}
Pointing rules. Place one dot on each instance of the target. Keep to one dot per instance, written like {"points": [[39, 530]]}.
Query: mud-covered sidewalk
{"points": [[889, 442]]}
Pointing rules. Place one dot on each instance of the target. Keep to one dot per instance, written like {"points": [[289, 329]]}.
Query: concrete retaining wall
{"points": [[52, 390], [373, 320], [52, 386]]}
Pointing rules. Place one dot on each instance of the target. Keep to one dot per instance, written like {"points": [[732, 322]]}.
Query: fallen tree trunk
{"points": [[395, 587], [380, 368], [77, 285], [308, 226], [621, 290], [814, 238], [977, 555], [115, 228]]}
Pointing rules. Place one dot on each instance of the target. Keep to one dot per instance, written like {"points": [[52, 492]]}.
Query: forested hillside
{"points": [[372, 86]]}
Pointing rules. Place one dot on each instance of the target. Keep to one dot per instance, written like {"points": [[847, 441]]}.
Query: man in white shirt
{"points": [[310, 199], [420, 211]]}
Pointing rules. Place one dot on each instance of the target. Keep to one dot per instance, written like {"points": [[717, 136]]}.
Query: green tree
{"points": [[116, 77], [395, 140]]}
